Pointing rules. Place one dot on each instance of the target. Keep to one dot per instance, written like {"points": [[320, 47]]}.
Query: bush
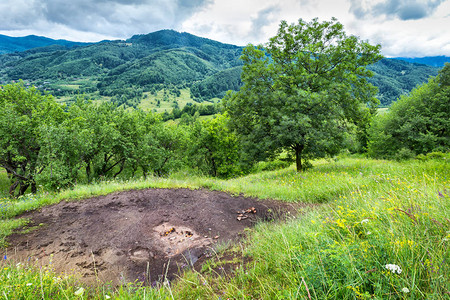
{"points": [[404, 154], [271, 165]]}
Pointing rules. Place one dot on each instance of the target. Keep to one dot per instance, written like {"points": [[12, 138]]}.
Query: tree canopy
{"points": [[302, 91], [44, 143], [416, 124], [24, 114]]}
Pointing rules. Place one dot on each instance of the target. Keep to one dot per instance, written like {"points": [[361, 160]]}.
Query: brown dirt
{"points": [[145, 235]]}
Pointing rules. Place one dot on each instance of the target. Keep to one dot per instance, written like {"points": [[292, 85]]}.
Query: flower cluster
{"points": [[393, 268]]}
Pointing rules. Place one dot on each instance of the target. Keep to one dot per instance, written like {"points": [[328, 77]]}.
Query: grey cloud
{"points": [[413, 12], [401, 9], [110, 17], [264, 17], [21, 15]]}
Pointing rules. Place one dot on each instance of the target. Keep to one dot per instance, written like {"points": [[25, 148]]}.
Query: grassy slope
{"points": [[377, 213], [149, 103]]}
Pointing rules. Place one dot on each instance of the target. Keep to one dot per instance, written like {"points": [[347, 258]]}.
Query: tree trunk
{"points": [[121, 169], [88, 172], [12, 188], [298, 157], [33, 187], [213, 162], [23, 188]]}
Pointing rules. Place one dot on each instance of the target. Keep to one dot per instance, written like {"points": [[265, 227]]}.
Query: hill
{"points": [[10, 44], [128, 71], [434, 61], [395, 77]]}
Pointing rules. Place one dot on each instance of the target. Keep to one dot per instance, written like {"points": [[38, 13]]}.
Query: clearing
{"points": [[145, 235]]}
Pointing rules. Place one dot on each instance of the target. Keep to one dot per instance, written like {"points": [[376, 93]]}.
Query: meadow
{"points": [[377, 230]]}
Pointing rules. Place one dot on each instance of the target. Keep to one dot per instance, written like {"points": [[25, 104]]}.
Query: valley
{"points": [[125, 72]]}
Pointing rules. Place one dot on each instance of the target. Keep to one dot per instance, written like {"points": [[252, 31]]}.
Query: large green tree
{"points": [[302, 90], [25, 114]]}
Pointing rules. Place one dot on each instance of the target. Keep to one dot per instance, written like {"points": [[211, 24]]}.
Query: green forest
{"points": [[126, 71], [298, 120]]}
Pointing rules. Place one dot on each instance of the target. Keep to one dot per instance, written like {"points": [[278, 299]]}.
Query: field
{"points": [[164, 101], [374, 230]]}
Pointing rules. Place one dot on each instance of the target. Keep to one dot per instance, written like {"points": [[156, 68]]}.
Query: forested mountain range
{"points": [[10, 44], [435, 61], [125, 71]]}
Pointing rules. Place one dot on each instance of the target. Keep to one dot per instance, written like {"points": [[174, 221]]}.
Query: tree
{"points": [[418, 123], [215, 150], [302, 91], [161, 147], [24, 116]]}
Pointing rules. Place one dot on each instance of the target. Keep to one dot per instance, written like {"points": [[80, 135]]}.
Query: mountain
{"points": [[127, 72], [395, 77], [17, 44], [434, 61]]}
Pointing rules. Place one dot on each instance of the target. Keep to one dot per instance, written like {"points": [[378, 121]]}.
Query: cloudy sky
{"points": [[412, 28]]}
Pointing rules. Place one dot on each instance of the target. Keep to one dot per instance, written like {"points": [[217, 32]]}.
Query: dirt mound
{"points": [[143, 235]]}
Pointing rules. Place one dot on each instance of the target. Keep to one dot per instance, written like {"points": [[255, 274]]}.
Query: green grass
{"points": [[166, 101], [374, 213]]}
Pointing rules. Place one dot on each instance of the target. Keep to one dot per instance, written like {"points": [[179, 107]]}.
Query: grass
{"points": [[166, 101], [376, 214]]}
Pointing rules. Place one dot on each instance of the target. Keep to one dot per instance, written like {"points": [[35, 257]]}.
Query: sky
{"points": [[411, 28]]}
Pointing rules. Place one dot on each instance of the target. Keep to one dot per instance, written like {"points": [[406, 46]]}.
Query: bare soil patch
{"points": [[144, 235]]}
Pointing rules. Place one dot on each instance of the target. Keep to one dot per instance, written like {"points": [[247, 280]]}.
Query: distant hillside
{"points": [[435, 61], [395, 77], [128, 71], [17, 44]]}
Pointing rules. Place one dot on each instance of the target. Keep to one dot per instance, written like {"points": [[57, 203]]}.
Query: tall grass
{"points": [[391, 214], [377, 218]]}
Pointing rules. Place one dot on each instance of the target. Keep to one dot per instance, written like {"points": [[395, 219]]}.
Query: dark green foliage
{"points": [[302, 94], [191, 110], [214, 148], [395, 78], [24, 118], [416, 124], [217, 85], [163, 67], [92, 60]]}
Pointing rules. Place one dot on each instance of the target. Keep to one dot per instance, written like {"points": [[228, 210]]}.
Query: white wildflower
{"points": [[364, 221], [29, 284], [393, 268], [79, 292], [405, 290], [107, 297]]}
